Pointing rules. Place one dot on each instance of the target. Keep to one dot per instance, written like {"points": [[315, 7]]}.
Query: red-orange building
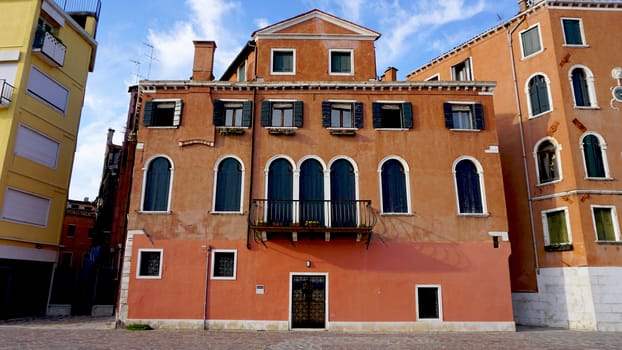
{"points": [[300, 191], [558, 104]]}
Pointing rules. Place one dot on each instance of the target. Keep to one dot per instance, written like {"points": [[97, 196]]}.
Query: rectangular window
{"points": [[342, 115], [149, 263], [163, 113], [530, 41], [463, 116], [283, 61], [341, 62], [556, 229], [224, 264], [429, 305], [232, 113], [71, 230], [283, 114], [47, 90], [242, 72], [462, 71], [573, 31], [25, 208], [37, 147], [605, 223], [392, 115]]}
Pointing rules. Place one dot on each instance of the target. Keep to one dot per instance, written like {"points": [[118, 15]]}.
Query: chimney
{"points": [[389, 75], [110, 135], [203, 66]]}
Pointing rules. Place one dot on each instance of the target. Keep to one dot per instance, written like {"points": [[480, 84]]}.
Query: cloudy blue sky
{"points": [[129, 32]]}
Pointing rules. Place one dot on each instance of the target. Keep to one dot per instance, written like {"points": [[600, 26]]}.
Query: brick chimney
{"points": [[203, 66], [389, 75]]}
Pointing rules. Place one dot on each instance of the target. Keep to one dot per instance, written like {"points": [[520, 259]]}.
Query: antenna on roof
{"points": [[137, 73], [151, 58]]}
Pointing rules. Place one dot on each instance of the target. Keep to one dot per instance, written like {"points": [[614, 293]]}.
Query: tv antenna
{"points": [[151, 58]]}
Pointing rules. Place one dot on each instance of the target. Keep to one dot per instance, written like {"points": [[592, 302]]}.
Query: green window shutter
{"points": [[298, 111], [219, 113], [266, 109], [479, 116], [572, 32], [177, 113], [407, 113], [604, 224], [558, 232], [148, 112], [326, 107], [358, 115], [376, 114], [449, 120], [247, 113]]}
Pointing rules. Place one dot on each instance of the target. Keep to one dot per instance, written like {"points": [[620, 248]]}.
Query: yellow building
{"points": [[47, 49]]}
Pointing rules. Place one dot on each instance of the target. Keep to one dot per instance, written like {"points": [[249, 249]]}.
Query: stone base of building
{"points": [[261, 325], [578, 298]]}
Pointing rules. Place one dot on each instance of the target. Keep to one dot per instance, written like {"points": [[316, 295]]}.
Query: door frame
{"points": [[289, 298]]}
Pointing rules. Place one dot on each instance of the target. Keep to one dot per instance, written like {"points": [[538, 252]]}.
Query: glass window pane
{"points": [[531, 41], [558, 232], [604, 224], [572, 31]]}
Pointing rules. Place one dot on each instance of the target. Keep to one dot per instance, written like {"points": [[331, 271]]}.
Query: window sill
{"points": [[548, 183], [142, 212], [392, 129], [578, 46], [162, 126], [539, 115], [474, 215], [587, 107], [466, 130], [609, 242], [341, 73], [226, 213], [599, 178], [558, 247], [342, 131], [397, 214], [282, 130], [223, 278], [148, 277]]}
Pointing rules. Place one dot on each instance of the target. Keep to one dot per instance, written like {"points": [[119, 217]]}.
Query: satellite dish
{"points": [[616, 73]]}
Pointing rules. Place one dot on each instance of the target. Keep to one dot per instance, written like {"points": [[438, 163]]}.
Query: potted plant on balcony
{"points": [[312, 223]]}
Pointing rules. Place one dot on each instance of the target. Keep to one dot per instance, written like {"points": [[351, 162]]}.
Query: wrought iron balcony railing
{"points": [[6, 93], [312, 217], [49, 48]]}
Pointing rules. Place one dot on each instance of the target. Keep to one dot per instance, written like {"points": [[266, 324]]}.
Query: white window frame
{"points": [[440, 302], [614, 219], [139, 261], [22, 149], [144, 185], [558, 148], [584, 42], [407, 180], [520, 36], [468, 63], [241, 68], [330, 62], [435, 77], [272, 51], [591, 89], [482, 187], [548, 92], [215, 186], [235, 264], [545, 225], [603, 153], [177, 111]]}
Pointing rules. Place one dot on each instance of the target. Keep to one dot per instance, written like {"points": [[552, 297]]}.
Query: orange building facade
{"points": [[558, 103], [300, 191]]}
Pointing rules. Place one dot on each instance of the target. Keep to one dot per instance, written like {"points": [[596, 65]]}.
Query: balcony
{"points": [[295, 219], [49, 48], [90, 7], [6, 93]]}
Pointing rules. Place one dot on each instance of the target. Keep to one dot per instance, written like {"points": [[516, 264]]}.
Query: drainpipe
{"points": [[251, 165], [209, 248], [522, 143]]}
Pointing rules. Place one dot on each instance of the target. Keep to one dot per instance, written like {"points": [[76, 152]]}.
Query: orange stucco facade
{"points": [[372, 276]]}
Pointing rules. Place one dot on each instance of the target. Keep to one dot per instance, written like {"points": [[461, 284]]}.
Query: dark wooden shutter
{"points": [[219, 113], [326, 114], [266, 107], [358, 115], [407, 115], [247, 113], [479, 116], [376, 114], [148, 112], [179, 105], [449, 120], [298, 108]]}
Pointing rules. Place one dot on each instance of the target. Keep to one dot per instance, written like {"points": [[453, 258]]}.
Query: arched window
{"points": [[280, 191], [547, 162], [157, 185], [594, 156], [582, 83], [393, 187], [469, 187], [538, 94], [342, 194], [311, 193], [228, 186]]}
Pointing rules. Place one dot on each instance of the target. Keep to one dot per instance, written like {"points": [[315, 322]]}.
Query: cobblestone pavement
{"points": [[98, 333]]}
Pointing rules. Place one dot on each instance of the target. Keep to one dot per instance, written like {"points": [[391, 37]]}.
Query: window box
{"points": [[343, 132], [312, 223], [282, 131], [560, 247], [231, 131]]}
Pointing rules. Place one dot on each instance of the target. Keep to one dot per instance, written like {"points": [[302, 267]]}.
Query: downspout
{"points": [[251, 165], [522, 144], [209, 248]]}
